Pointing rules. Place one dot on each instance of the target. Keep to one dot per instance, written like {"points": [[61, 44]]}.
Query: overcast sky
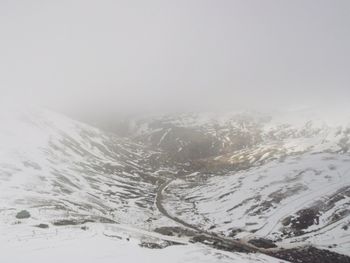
{"points": [[144, 56]]}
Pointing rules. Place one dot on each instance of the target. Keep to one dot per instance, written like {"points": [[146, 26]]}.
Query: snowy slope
{"points": [[292, 187], [57, 168], [199, 135], [304, 198], [66, 186], [228, 140], [70, 192], [105, 243]]}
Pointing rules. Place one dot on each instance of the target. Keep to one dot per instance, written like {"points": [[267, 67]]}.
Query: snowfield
{"points": [[302, 199], [293, 187], [185, 188], [72, 193], [61, 168], [97, 244]]}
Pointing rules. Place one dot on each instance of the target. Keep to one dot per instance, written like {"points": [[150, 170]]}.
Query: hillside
{"points": [[242, 187]]}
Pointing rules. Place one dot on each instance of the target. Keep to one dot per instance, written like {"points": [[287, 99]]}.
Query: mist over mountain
{"points": [[127, 57], [175, 131]]}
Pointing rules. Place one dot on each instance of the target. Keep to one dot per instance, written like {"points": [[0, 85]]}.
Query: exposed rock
{"points": [[24, 214], [262, 243], [310, 255]]}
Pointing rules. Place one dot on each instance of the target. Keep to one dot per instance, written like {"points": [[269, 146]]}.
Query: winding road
{"points": [[218, 241]]}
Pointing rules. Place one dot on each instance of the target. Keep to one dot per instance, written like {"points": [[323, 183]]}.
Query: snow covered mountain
{"points": [[287, 181], [72, 192], [238, 140], [58, 168], [210, 187]]}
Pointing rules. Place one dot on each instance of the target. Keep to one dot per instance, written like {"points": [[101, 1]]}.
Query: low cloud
{"points": [[131, 57]]}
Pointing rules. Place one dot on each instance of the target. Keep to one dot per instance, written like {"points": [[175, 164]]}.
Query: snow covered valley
{"points": [[239, 187]]}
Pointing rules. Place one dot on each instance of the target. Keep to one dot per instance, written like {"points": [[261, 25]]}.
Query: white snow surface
{"points": [[104, 243], [286, 180], [64, 172], [60, 168]]}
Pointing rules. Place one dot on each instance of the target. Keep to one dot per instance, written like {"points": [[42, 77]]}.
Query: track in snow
{"points": [[218, 242]]}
